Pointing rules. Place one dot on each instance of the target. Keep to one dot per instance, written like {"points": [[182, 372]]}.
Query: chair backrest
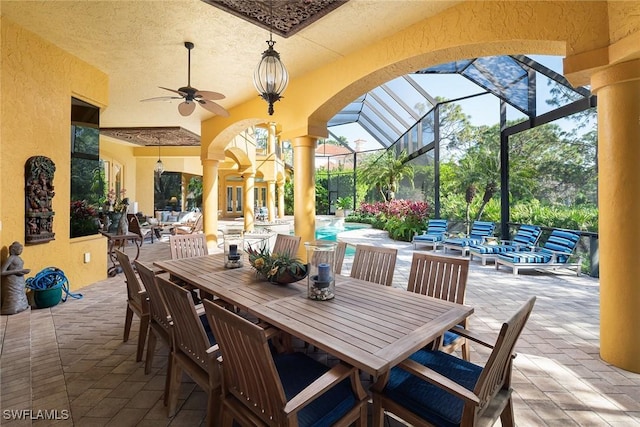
{"points": [[374, 264], [562, 241], [134, 288], [157, 306], [437, 226], [439, 276], [527, 235], [481, 229], [134, 224], [188, 245], [249, 372], [341, 249], [198, 226], [189, 336], [496, 374], [286, 244]]}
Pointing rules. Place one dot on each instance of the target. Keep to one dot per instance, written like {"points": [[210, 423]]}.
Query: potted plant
{"points": [[84, 219], [343, 204], [276, 268]]}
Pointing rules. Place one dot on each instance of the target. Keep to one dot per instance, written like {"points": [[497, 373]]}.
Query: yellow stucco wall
{"points": [[37, 83]]}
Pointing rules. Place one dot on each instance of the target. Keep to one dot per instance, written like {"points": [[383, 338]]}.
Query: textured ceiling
{"points": [[140, 45]]}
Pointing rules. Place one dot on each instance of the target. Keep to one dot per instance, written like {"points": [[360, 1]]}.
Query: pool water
{"points": [[330, 232]]}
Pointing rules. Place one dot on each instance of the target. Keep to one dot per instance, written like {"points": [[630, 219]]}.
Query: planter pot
{"points": [[114, 220], [288, 277]]}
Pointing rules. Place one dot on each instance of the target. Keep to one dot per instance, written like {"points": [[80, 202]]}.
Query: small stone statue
{"points": [[14, 298]]}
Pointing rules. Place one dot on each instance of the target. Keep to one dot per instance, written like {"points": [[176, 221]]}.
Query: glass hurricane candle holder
{"points": [[233, 248], [321, 281]]}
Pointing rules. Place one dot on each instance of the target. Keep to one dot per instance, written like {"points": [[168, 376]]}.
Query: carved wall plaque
{"points": [[38, 173]]}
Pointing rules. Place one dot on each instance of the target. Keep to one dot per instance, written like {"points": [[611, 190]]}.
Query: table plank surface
{"points": [[370, 326]]}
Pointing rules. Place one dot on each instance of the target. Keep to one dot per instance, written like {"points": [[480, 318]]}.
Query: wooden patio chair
{"points": [[286, 244], [341, 250], [135, 227], [436, 388], [374, 264], [480, 230], [159, 324], [137, 303], [433, 235], [263, 388], [442, 277], [194, 350], [188, 245], [525, 240], [196, 227]]}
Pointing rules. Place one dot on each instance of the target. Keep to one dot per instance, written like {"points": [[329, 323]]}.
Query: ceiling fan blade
{"points": [[174, 91], [186, 108], [211, 96], [213, 107], [161, 98]]}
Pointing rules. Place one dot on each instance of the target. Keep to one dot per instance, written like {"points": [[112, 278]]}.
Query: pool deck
{"points": [[71, 356]]}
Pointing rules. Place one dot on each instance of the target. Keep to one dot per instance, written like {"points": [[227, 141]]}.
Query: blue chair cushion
{"points": [[526, 257], [561, 241], [297, 371], [493, 249], [430, 402], [449, 337], [207, 329], [428, 237], [463, 241]]}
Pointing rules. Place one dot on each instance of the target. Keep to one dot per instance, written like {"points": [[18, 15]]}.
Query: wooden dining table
{"points": [[369, 326]]}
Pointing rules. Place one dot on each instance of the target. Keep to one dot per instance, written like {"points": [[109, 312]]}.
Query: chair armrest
{"points": [[439, 380], [459, 330], [319, 386]]}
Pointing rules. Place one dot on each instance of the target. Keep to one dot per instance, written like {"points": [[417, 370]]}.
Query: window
{"points": [[87, 172]]}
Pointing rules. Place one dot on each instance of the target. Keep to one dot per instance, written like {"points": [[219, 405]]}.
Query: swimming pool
{"points": [[330, 232]]}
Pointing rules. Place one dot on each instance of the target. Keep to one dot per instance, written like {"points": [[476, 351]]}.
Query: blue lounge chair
{"points": [[433, 235], [525, 239], [555, 253], [480, 230]]}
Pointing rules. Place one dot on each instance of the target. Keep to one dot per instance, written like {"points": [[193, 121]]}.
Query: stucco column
{"points": [[281, 199], [271, 200], [618, 90], [249, 200], [304, 190], [210, 201]]}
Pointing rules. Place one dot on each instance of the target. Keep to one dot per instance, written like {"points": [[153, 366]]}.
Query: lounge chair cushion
{"points": [[560, 242], [525, 239], [426, 400], [296, 371], [434, 232], [479, 231]]}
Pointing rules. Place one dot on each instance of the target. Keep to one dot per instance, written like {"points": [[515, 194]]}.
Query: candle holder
{"points": [[233, 248], [321, 279]]}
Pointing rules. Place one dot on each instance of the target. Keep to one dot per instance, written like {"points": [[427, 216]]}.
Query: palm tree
{"points": [[385, 173]]}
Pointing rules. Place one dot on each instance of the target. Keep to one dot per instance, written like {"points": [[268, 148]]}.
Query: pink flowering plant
{"points": [[401, 218]]}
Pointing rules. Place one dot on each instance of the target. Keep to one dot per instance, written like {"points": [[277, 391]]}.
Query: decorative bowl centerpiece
{"points": [[277, 268]]}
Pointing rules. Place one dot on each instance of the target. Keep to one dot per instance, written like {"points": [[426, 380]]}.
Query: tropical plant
{"points": [[385, 172], [274, 266], [344, 202]]}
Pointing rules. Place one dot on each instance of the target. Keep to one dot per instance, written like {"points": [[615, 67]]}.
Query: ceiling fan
{"points": [[192, 95]]}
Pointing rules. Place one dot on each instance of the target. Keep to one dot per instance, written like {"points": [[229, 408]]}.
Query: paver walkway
{"points": [[70, 360]]}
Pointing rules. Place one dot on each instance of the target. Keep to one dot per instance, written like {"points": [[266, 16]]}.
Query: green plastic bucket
{"points": [[47, 297]]}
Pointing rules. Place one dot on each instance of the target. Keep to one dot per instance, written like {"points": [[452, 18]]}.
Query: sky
{"points": [[483, 110]]}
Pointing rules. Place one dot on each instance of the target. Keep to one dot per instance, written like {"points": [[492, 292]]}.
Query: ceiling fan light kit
{"points": [[192, 96]]}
